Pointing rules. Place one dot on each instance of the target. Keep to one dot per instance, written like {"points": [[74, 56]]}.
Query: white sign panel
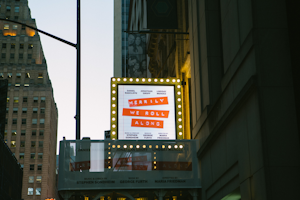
{"points": [[146, 112]]}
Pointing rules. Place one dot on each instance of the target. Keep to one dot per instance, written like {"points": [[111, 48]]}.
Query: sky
{"points": [[58, 17]]}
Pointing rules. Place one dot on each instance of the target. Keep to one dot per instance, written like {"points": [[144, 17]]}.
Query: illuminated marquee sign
{"points": [[146, 109]]}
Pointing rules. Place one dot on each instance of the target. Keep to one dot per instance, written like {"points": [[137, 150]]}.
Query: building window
{"points": [[7, 109], [8, 8], [34, 121], [41, 132], [42, 121], [20, 55], [9, 75], [22, 166], [40, 155], [35, 99], [30, 46], [14, 121], [41, 143], [13, 143], [31, 167], [33, 132], [42, 110], [21, 156], [15, 110], [32, 143], [4, 45], [17, 9], [23, 132], [21, 46], [40, 75], [6, 121], [15, 27], [29, 56], [40, 167], [39, 179], [6, 27], [32, 155], [23, 121], [3, 55], [30, 191], [23, 27], [1, 75], [12, 55], [24, 110], [27, 75], [38, 191], [18, 75], [25, 100], [5, 132], [43, 99], [13, 132], [22, 143], [7, 99], [17, 84], [16, 17], [12, 45], [31, 179], [16, 99], [34, 110]]}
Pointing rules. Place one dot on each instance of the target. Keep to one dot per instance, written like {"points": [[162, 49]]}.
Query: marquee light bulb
{"points": [[113, 91], [114, 105], [155, 80], [137, 146], [114, 138], [169, 146], [131, 146], [113, 146], [113, 112], [149, 79], [178, 86], [137, 80], [118, 146], [173, 80], [176, 146], [143, 80], [179, 106], [179, 113], [130, 79], [113, 119], [113, 79], [180, 133], [114, 126], [125, 146], [125, 79], [180, 126], [114, 98], [118, 79], [161, 80], [168, 80], [150, 146], [114, 85], [144, 146], [179, 119], [179, 99], [180, 146], [113, 132], [178, 80], [178, 93]]}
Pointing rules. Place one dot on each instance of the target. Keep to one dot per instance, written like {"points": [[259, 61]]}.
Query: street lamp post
{"points": [[77, 46]]}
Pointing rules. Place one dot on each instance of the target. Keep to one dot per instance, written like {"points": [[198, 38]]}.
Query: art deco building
{"points": [[31, 113]]}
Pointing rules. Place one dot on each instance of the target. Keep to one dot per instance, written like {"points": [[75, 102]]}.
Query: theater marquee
{"points": [[146, 109]]}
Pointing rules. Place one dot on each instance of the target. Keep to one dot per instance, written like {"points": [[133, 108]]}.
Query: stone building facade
{"points": [[31, 113], [239, 66]]}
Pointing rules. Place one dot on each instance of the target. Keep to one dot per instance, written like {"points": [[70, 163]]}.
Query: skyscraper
{"points": [[121, 12], [31, 113]]}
